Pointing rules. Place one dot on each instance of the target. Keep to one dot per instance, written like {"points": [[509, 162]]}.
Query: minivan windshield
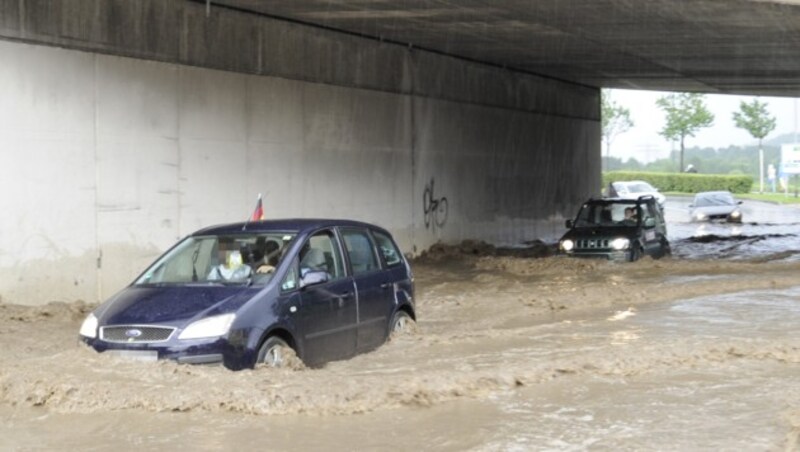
{"points": [[220, 259]]}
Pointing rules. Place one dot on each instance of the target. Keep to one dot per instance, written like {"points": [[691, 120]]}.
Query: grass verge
{"points": [[777, 198]]}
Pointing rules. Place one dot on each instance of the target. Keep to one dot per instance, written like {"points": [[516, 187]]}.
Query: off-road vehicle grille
{"points": [[591, 244]]}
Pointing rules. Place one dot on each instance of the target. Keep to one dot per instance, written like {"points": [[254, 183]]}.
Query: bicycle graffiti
{"points": [[435, 208]]}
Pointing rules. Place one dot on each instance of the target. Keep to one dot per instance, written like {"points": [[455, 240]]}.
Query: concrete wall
{"points": [[107, 160]]}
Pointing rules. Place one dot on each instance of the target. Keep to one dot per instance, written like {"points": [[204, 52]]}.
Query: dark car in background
{"points": [[240, 294], [715, 205], [617, 229]]}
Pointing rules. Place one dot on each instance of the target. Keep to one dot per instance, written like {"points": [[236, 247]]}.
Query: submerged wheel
{"points": [[273, 352], [402, 323], [666, 250], [636, 253]]}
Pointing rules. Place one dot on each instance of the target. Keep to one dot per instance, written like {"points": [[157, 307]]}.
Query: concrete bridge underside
{"points": [[125, 125]]}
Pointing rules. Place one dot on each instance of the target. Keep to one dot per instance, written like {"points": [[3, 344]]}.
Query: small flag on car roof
{"points": [[258, 213]]}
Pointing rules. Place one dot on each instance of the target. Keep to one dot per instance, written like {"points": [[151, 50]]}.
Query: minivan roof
{"points": [[283, 225]]}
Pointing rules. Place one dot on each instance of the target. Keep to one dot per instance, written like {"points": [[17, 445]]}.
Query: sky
{"points": [[644, 143]]}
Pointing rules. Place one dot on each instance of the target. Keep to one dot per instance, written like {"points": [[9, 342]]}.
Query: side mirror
{"points": [[650, 223], [568, 224], [313, 277], [738, 202]]}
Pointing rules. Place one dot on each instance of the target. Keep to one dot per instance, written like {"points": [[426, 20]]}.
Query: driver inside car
{"points": [[266, 255], [630, 216]]}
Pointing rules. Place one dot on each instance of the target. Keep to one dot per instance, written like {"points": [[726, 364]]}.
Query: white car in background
{"points": [[633, 189]]}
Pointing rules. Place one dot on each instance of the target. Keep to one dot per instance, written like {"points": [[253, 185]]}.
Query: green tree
{"points": [[755, 118], [615, 119], [686, 114]]}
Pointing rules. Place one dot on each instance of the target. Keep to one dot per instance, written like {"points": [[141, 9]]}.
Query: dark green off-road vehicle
{"points": [[618, 229]]}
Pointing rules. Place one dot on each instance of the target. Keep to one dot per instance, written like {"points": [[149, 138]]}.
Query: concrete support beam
{"points": [[180, 31]]}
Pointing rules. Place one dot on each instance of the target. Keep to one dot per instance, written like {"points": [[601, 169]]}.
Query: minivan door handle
{"points": [[386, 285], [344, 296]]}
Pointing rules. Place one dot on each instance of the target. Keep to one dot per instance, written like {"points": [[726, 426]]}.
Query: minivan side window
{"points": [[387, 249], [360, 251], [321, 253]]}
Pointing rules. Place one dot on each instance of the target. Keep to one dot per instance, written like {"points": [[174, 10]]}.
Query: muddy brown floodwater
{"points": [[511, 353]]}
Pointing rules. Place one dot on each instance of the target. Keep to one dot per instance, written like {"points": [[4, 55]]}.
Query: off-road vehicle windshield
{"points": [[616, 213]]}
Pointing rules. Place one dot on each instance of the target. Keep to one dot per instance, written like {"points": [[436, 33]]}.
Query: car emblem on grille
{"points": [[133, 333]]}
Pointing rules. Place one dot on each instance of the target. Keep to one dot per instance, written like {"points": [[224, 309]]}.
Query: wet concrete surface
{"points": [[694, 352]]}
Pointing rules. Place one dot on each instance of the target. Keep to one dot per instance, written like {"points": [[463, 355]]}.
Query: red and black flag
{"points": [[258, 213]]}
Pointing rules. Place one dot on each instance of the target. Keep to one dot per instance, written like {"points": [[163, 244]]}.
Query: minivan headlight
{"points": [[736, 214], [89, 326], [208, 327], [567, 245], [620, 244]]}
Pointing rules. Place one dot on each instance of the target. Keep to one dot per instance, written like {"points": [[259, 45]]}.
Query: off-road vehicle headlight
{"points": [[620, 244]]}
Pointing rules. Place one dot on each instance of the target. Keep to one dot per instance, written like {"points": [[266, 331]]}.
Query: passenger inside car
{"points": [[231, 263]]}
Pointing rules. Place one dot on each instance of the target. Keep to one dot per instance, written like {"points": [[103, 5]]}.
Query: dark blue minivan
{"points": [[240, 294]]}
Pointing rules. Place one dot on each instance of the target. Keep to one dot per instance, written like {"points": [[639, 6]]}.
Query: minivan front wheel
{"points": [[273, 352]]}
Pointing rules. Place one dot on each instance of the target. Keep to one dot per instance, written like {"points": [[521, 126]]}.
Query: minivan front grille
{"points": [[135, 334], [591, 244]]}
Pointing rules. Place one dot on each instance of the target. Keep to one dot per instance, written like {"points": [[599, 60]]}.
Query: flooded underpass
{"points": [[691, 352]]}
